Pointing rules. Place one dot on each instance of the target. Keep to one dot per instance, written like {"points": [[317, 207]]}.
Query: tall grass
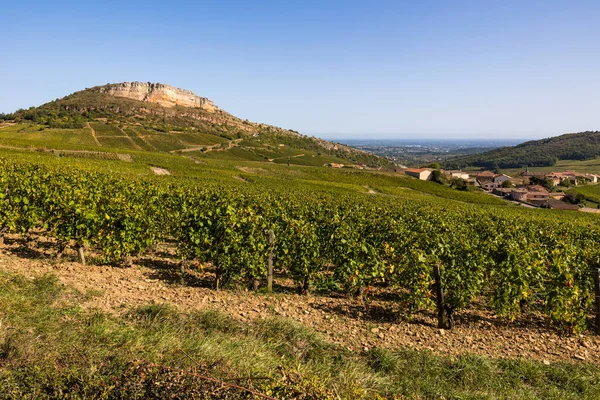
{"points": [[52, 348]]}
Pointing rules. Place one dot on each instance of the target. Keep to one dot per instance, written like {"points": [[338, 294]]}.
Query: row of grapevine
{"points": [[516, 260]]}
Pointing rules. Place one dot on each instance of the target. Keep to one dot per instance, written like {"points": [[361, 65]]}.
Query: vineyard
{"points": [[518, 261]]}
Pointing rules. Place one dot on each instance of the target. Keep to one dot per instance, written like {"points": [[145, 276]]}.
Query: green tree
{"points": [[437, 176]]}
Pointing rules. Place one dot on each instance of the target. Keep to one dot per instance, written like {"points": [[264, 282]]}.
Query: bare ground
{"points": [[341, 320]]}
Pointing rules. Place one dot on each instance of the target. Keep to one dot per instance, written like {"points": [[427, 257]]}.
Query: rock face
{"points": [[165, 95]]}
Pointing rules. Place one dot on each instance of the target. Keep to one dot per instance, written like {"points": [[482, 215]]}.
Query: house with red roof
{"points": [[420, 173]]}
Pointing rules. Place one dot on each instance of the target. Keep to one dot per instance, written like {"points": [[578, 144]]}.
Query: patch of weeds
{"points": [[214, 321], [291, 339], [153, 314]]}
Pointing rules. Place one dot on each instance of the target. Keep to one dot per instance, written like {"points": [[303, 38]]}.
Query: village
{"points": [[532, 189]]}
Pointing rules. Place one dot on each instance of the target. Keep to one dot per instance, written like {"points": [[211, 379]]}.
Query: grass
{"points": [[199, 139], [103, 130], [26, 135], [165, 142], [132, 133], [116, 142], [51, 348]]}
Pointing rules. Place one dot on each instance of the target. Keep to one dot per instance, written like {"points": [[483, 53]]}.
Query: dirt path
{"points": [[87, 124], [284, 157], [208, 148], [160, 171], [195, 148], [340, 320]]}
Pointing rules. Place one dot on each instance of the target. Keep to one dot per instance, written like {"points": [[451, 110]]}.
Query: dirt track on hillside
{"points": [[341, 320]]}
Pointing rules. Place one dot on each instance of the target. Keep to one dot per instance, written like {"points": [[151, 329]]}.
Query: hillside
{"points": [[535, 153], [134, 265], [134, 116]]}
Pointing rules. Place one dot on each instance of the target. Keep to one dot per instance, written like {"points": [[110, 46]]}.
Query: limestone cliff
{"points": [[165, 95]]}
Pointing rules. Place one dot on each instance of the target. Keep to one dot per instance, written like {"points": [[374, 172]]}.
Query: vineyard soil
{"points": [[343, 321]]}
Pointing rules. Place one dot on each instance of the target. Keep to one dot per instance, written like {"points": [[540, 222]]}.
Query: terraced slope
{"points": [[155, 121]]}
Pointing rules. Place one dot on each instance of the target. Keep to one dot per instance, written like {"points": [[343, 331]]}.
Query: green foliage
{"points": [[545, 182], [535, 153], [459, 184], [339, 239], [438, 177]]}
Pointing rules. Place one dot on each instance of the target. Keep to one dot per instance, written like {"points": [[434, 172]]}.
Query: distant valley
{"points": [[415, 152]]}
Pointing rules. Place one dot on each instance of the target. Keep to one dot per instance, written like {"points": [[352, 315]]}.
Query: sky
{"points": [[349, 69]]}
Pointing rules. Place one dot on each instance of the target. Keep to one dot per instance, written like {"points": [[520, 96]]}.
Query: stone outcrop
{"points": [[165, 95]]}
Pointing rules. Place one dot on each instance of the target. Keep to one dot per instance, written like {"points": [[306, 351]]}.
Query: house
{"points": [[456, 174], [555, 177], [571, 176], [500, 179], [420, 173], [557, 195], [592, 177], [536, 195], [561, 205], [517, 182], [485, 176], [504, 192], [472, 182], [527, 175], [519, 195], [489, 185], [536, 188]]}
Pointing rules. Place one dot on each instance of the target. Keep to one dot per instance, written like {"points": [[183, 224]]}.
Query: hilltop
{"points": [[161, 118], [165, 95], [534, 153]]}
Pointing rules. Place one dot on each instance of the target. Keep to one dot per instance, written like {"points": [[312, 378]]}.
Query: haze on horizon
{"points": [[337, 69]]}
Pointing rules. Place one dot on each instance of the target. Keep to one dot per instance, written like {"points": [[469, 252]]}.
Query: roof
{"points": [[486, 173], [415, 170], [561, 205], [536, 188], [530, 173]]}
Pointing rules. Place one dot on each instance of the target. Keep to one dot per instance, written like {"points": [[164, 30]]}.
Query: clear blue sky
{"points": [[337, 69]]}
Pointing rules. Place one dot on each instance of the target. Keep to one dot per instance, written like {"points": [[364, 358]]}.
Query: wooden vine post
{"points": [[270, 259], [81, 254], [443, 318], [596, 275]]}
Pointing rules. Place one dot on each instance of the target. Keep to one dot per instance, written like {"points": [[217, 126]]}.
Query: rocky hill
{"points": [[165, 95], [159, 117], [534, 153]]}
